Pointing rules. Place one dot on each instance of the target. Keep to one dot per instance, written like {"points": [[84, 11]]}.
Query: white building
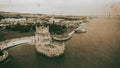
{"points": [[13, 21], [56, 21]]}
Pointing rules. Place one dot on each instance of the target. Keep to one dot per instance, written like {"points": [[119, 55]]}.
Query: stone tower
{"points": [[42, 36], [45, 45]]}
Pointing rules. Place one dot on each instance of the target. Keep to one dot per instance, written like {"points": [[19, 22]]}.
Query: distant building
{"points": [[13, 21], [56, 21], [67, 23]]}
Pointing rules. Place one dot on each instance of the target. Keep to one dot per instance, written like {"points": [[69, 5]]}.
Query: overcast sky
{"points": [[67, 7]]}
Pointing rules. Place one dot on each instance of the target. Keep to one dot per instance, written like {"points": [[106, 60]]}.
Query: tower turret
{"points": [[42, 35]]}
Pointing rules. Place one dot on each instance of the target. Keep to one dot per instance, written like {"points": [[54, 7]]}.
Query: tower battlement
{"points": [[41, 29]]}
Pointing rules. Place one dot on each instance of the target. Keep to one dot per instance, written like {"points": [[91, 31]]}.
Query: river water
{"points": [[99, 47]]}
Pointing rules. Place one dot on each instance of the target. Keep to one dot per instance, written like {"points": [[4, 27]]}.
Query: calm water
{"points": [[98, 48]]}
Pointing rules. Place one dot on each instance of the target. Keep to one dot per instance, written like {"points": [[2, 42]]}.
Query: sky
{"points": [[60, 7]]}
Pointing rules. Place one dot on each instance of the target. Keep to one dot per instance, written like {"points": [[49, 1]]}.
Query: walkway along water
{"points": [[14, 42], [64, 38]]}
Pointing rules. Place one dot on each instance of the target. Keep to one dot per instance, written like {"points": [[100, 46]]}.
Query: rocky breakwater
{"points": [[52, 49], [3, 55]]}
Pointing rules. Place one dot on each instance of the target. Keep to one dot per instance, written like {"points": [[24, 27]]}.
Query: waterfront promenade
{"points": [[14, 42]]}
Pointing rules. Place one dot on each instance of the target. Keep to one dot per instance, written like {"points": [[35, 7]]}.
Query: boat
{"points": [[80, 31]]}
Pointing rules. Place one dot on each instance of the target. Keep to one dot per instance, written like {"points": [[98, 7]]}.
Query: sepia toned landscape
{"points": [[59, 34]]}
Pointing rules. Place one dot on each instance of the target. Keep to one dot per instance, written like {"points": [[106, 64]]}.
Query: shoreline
{"points": [[15, 41], [69, 35], [4, 56]]}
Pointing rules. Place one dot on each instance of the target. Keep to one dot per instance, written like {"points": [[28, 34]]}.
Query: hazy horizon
{"points": [[61, 7]]}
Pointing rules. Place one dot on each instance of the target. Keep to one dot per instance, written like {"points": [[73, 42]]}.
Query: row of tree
{"points": [[21, 28], [1, 17], [57, 29], [53, 28]]}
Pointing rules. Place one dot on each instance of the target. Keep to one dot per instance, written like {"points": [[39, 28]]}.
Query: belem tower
{"points": [[45, 45]]}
